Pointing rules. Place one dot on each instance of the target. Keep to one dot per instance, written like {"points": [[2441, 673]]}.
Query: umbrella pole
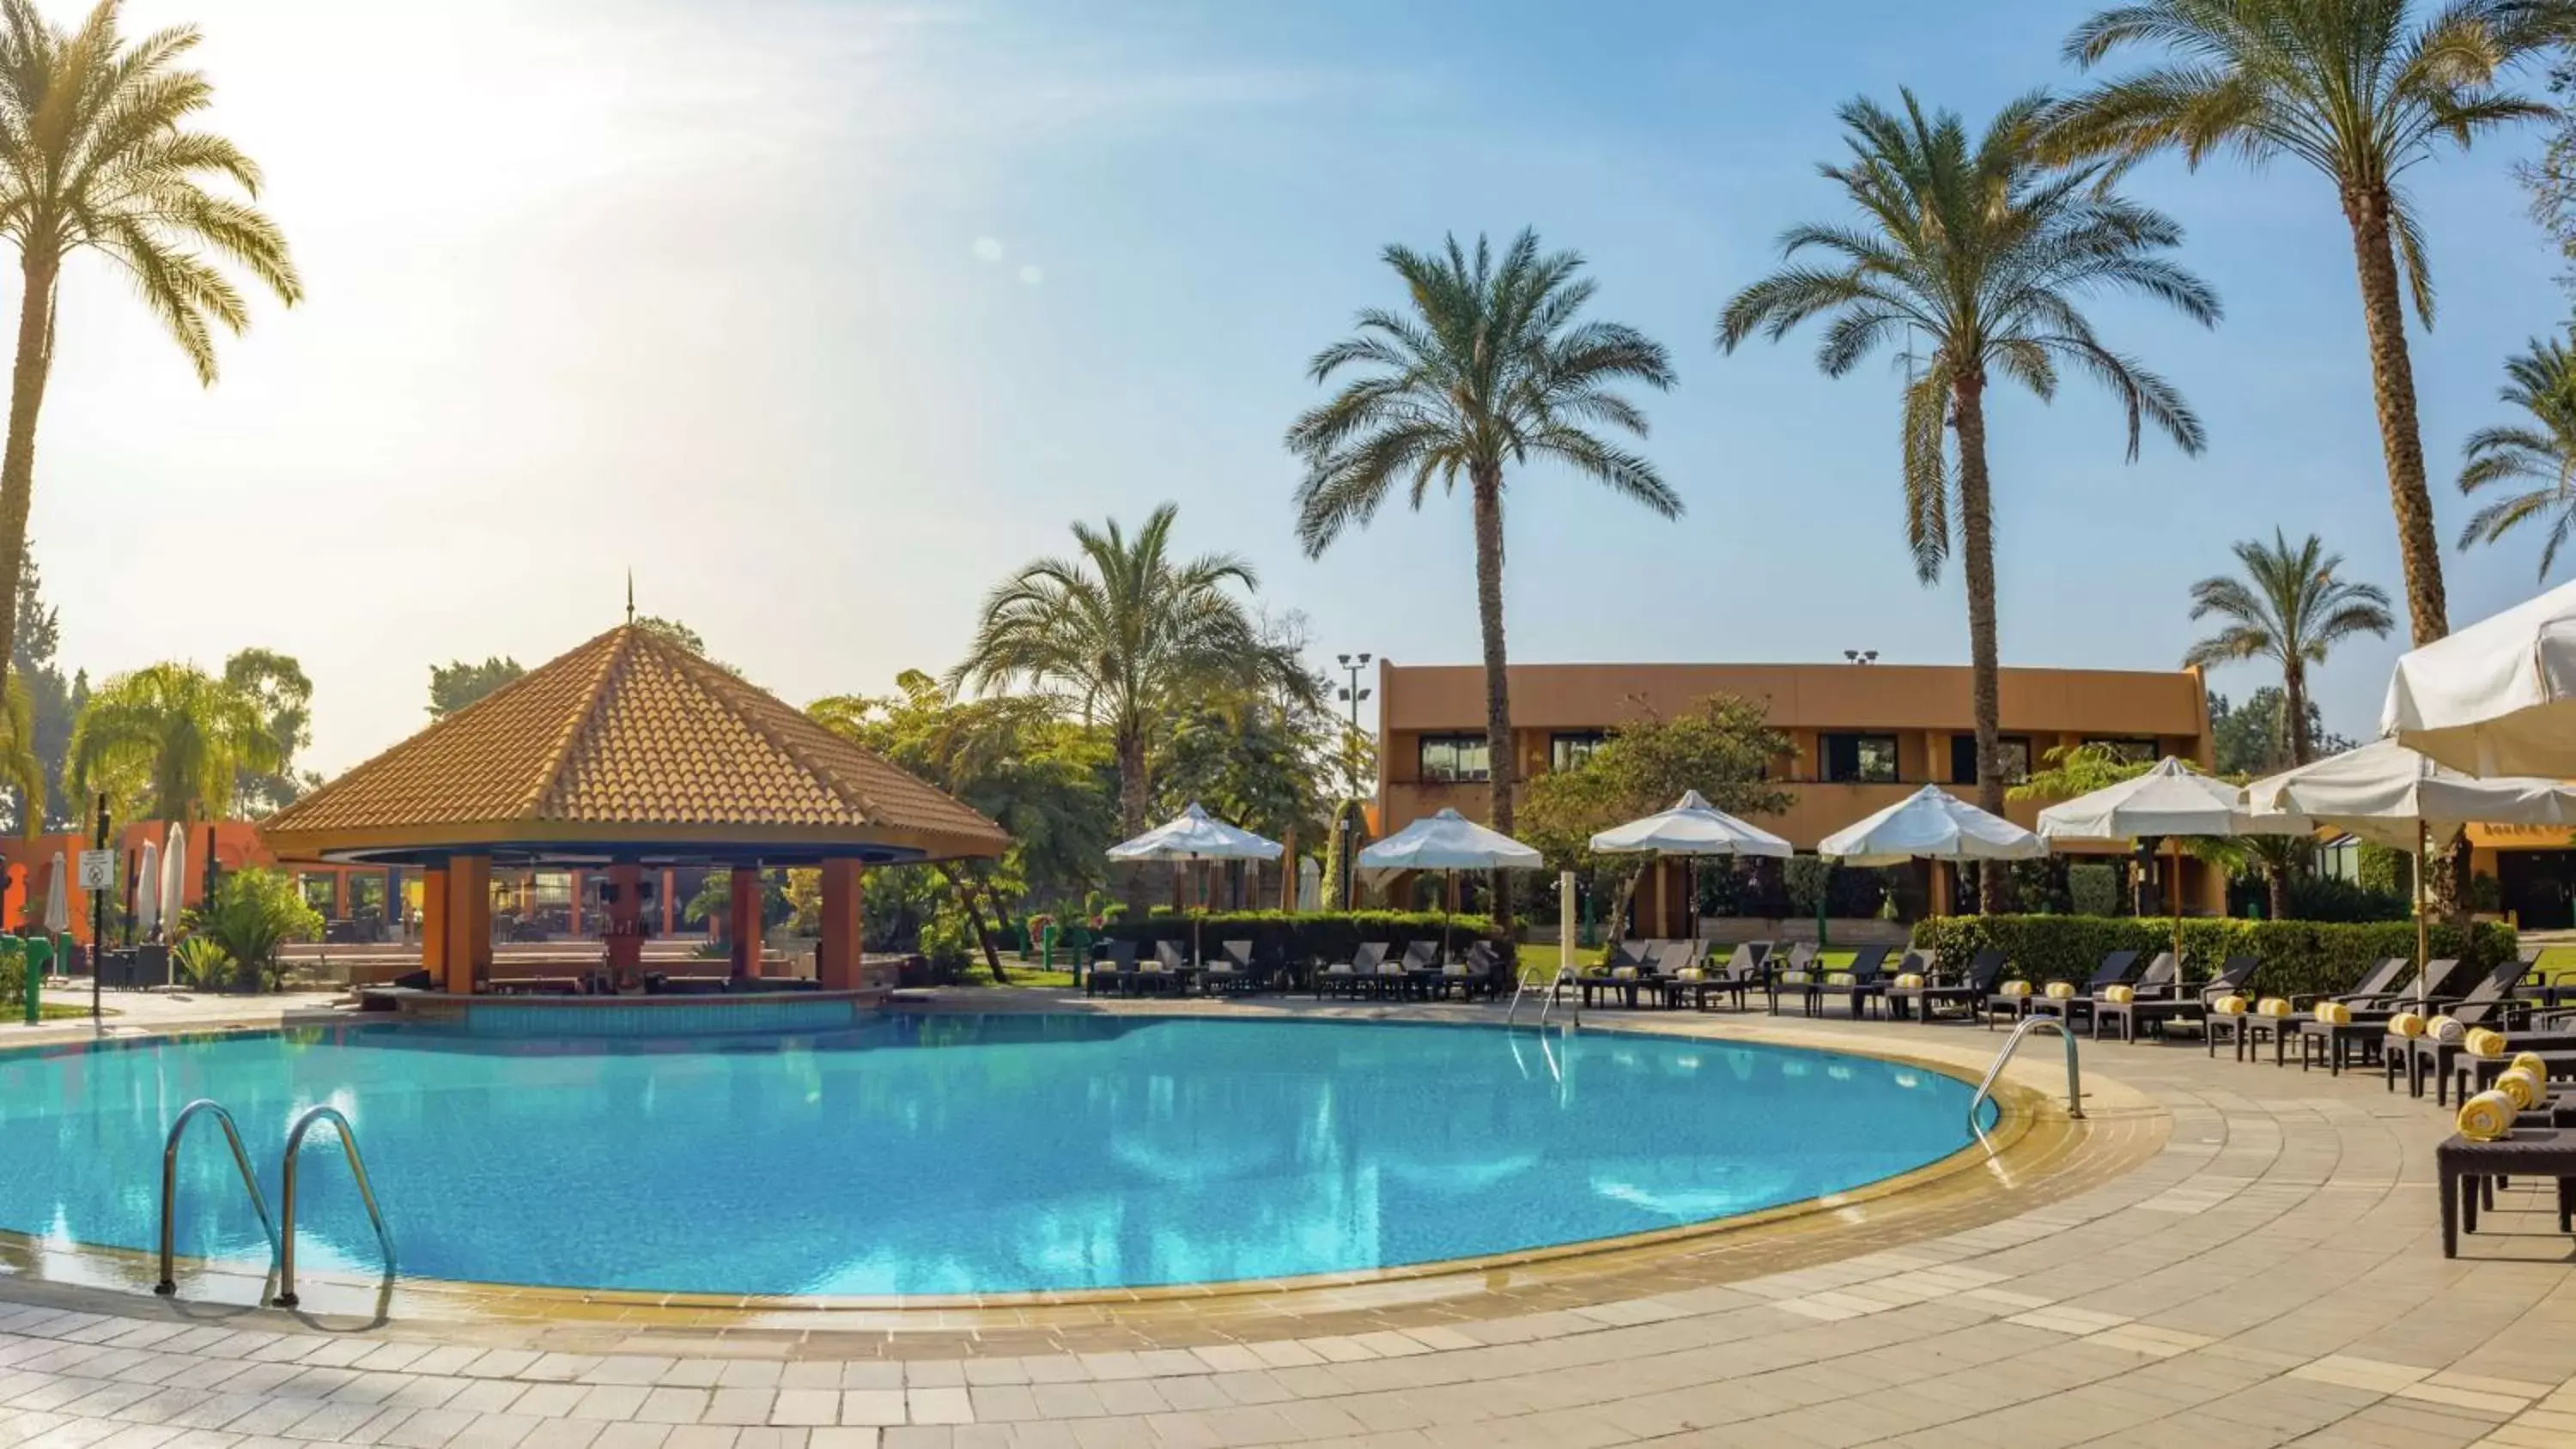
{"points": [[2177, 904], [1448, 884], [2423, 932]]}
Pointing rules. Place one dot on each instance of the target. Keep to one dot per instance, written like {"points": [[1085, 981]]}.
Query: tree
{"points": [[1978, 254], [2251, 738], [2355, 89], [96, 156], [186, 733], [52, 701], [456, 684], [21, 767], [1125, 635], [1490, 368], [285, 699], [2541, 382], [2291, 609]]}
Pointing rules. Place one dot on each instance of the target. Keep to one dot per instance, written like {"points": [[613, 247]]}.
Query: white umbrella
{"points": [[2496, 698], [1931, 824], [2172, 800], [1691, 829], [174, 876], [1195, 835], [1448, 842], [58, 910], [2396, 796], [147, 892]]}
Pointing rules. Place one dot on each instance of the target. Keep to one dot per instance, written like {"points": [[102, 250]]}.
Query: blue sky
{"points": [[821, 316]]}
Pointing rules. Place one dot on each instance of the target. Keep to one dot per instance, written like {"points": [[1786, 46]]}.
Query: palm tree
{"points": [[2289, 607], [187, 733], [1977, 255], [1129, 637], [2355, 89], [95, 156], [1490, 368], [2542, 382], [20, 766]]}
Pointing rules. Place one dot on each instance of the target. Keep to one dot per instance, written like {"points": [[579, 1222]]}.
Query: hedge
{"points": [[1303, 936], [2299, 957]]}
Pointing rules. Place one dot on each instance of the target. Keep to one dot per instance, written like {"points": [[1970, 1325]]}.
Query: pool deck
{"points": [[2222, 1255]]}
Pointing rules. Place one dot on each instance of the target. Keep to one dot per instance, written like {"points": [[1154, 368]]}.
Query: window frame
{"points": [[1825, 757], [1587, 740], [2132, 749], [1454, 775], [2001, 742]]}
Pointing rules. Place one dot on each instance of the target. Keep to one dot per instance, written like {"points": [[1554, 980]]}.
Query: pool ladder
{"points": [[1986, 1088], [1558, 980], [281, 1232]]}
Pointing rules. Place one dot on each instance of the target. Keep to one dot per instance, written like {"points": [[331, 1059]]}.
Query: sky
{"points": [[820, 316]]}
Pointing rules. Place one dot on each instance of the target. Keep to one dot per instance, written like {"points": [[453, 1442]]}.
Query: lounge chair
{"points": [[1739, 977], [1628, 968], [1985, 971], [1474, 974], [2436, 989], [2379, 987], [2116, 967], [2467, 1172], [1231, 971], [2423, 1058], [2159, 1007], [1795, 972], [1403, 977], [1352, 977], [1119, 957], [1856, 983]]}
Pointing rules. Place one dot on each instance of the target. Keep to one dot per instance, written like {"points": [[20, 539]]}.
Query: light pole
{"points": [[1861, 656], [1351, 694]]}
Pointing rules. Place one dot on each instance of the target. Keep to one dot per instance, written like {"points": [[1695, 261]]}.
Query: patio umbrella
{"points": [[2172, 800], [58, 910], [2496, 698], [174, 877], [1448, 843], [147, 892], [2393, 795], [1194, 835], [1692, 829], [1931, 824]]}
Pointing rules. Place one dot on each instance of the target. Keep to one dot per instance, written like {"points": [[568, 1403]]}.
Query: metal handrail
{"points": [[366, 1192], [1985, 1089], [170, 1184], [1557, 979]]}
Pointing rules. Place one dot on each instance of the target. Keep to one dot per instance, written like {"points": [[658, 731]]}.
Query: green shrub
{"points": [[2332, 898], [2093, 889], [252, 914], [2299, 957], [1319, 935], [201, 962], [13, 976]]}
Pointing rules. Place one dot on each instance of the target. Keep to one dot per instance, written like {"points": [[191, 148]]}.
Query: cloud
{"points": [[1032, 276], [988, 249]]}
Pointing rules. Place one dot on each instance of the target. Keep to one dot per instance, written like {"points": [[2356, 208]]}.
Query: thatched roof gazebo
{"points": [[626, 753]]}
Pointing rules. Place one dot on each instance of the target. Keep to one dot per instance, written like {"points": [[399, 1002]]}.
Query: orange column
{"points": [[339, 893], [579, 879], [668, 903], [625, 922], [744, 922], [468, 945], [433, 925], [836, 959]]}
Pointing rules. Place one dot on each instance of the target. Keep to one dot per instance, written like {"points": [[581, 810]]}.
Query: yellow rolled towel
{"points": [[2061, 991], [2334, 1013], [2272, 1006], [2486, 1117], [1690, 973], [2481, 1042], [1796, 978], [2529, 1062], [2013, 988], [2119, 995], [1623, 973], [1909, 981], [1838, 978], [2406, 1023], [2524, 1088], [2448, 1030], [2230, 1005]]}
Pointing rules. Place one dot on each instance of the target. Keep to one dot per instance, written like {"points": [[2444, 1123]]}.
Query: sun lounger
{"points": [[2362, 1036], [1115, 970], [1856, 984], [1352, 977], [1985, 972], [2468, 1170], [1628, 969], [2116, 969], [2173, 1005], [1795, 972], [1741, 975], [2378, 987]]}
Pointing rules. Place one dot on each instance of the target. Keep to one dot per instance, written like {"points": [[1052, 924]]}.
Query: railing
{"points": [[170, 1185], [1985, 1089], [286, 1237], [1558, 979]]}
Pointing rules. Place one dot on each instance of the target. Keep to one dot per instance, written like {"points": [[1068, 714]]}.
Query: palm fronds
{"points": [[2540, 453]]}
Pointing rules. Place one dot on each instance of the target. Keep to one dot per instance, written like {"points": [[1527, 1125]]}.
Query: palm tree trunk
{"points": [[1977, 549], [1488, 492], [2294, 712], [2383, 313], [2277, 890], [18, 462], [1128, 743], [965, 888]]}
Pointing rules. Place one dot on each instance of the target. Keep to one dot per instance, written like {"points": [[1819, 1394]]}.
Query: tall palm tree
{"points": [[21, 768], [2542, 382], [2289, 608], [95, 156], [1490, 368], [1978, 256], [2357, 89], [186, 732], [1128, 636]]}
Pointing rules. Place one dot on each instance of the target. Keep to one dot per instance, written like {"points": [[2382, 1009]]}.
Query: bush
{"points": [[2331, 898], [2093, 889], [1301, 936], [252, 914], [201, 962], [13, 976], [2299, 957]]}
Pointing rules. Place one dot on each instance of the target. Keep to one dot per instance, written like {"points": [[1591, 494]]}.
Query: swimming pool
{"points": [[939, 1154]]}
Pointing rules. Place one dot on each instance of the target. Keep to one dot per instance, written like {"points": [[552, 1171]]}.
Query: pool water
{"points": [[957, 1154]]}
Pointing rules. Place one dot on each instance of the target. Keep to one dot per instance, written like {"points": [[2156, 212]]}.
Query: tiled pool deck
{"points": [[2223, 1255]]}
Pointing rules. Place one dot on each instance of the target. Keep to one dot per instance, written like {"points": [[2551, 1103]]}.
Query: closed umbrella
{"points": [[2496, 698], [1448, 843], [1691, 830], [1931, 824], [174, 877], [2172, 800], [1194, 835], [2396, 796], [58, 910], [147, 892]]}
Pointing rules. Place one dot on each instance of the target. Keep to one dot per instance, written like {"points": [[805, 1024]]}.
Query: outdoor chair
{"points": [[1627, 968], [1231, 971], [1795, 972], [1474, 975], [2436, 990], [2423, 1058], [2115, 968], [1985, 972], [1740, 976], [1120, 959], [2174, 1006], [1856, 983], [1406, 977], [2468, 1172], [1352, 977]]}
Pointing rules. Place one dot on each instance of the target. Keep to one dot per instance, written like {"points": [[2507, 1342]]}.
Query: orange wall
{"points": [[29, 865]]}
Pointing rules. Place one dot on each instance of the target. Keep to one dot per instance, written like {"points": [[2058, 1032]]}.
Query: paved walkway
{"points": [[2270, 1275]]}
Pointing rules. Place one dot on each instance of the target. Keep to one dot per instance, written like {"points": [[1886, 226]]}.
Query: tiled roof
{"points": [[629, 738]]}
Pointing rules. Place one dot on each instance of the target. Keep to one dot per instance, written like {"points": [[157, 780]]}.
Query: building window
{"points": [[2015, 750], [1860, 759], [1455, 758], [1566, 751], [2130, 751]]}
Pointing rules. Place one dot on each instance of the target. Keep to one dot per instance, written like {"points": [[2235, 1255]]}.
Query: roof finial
{"points": [[630, 596]]}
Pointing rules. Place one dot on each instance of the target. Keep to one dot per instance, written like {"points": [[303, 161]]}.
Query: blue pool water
{"points": [[953, 1154]]}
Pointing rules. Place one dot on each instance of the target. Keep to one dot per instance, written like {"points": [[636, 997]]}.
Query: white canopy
{"points": [[2171, 799], [1935, 824], [2496, 698], [2383, 791], [147, 892], [58, 911], [1196, 835], [1692, 827], [1448, 841], [174, 876]]}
